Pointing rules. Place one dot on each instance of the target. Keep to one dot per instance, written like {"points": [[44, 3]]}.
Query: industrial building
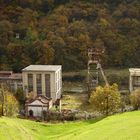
{"points": [[43, 80], [12, 80], [134, 79]]}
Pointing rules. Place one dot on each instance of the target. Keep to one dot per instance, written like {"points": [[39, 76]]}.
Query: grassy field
{"points": [[118, 127]]}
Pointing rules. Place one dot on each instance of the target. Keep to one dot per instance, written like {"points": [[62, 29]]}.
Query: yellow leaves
{"points": [[103, 23], [63, 20], [30, 96], [135, 99], [106, 99], [8, 102], [84, 38], [10, 99]]}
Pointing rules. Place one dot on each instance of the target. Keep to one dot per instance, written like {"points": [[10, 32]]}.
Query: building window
{"points": [[19, 85], [136, 80], [30, 82], [39, 84], [47, 85]]}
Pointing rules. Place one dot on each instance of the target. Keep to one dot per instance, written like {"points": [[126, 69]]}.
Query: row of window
{"points": [[39, 83], [136, 80]]}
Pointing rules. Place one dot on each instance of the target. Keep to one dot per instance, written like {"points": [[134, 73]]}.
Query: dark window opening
{"points": [[47, 85], [39, 84], [30, 82]]}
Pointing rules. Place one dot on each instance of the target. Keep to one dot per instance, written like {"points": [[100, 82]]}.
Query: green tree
{"points": [[41, 53], [20, 96], [106, 99], [17, 55]]}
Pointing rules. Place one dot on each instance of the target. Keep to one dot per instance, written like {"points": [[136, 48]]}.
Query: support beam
{"points": [[130, 83]]}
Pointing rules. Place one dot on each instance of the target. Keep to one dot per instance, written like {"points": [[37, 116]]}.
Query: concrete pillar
{"points": [[53, 86], [130, 83], [34, 85], [43, 84], [15, 85], [25, 82]]}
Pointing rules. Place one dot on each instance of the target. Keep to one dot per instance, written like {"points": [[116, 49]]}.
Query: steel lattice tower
{"points": [[94, 59]]}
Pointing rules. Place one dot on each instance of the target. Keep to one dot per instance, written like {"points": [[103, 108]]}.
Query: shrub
{"points": [[8, 103], [57, 116], [135, 99], [20, 96], [106, 99]]}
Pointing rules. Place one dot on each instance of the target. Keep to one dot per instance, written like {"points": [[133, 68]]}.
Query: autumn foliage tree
{"points": [[69, 28], [135, 99], [106, 99], [8, 103]]}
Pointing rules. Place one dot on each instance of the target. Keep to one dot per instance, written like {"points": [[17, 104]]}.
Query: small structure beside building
{"points": [[36, 106], [134, 79], [12, 80]]}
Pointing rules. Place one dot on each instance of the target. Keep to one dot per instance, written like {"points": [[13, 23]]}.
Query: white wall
{"points": [[55, 77], [37, 111], [58, 83]]}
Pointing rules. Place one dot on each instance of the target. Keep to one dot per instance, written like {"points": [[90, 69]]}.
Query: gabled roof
{"points": [[134, 69], [42, 68], [41, 98]]}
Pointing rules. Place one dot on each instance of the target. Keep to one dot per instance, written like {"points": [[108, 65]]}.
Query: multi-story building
{"points": [[43, 80]]}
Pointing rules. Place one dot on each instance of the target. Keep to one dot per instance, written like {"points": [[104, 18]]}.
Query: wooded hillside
{"points": [[60, 31]]}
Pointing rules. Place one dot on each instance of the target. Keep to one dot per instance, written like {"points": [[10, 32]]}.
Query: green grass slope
{"points": [[118, 127]]}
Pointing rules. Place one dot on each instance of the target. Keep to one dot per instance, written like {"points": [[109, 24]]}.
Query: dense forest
{"points": [[61, 31]]}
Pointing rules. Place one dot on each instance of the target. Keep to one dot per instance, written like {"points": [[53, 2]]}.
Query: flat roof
{"points": [[6, 72], [42, 68], [134, 69], [12, 76]]}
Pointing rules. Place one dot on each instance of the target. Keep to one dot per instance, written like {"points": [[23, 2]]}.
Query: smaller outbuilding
{"points": [[134, 79], [35, 107], [12, 80]]}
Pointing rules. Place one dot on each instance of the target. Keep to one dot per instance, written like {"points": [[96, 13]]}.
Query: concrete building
{"points": [[43, 80], [12, 80], [134, 79]]}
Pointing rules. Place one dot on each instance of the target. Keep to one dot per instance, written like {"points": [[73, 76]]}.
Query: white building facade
{"points": [[43, 80], [36, 107], [134, 79]]}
